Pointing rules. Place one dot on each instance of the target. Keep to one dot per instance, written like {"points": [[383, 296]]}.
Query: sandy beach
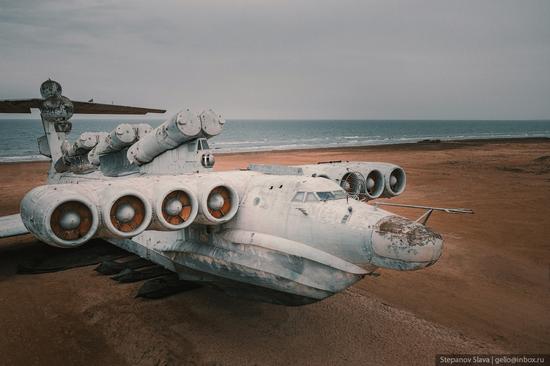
{"points": [[489, 293]]}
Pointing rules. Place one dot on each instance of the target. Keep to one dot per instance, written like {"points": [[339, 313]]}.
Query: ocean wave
{"points": [[318, 143]]}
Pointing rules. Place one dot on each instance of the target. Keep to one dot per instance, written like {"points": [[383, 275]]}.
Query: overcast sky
{"points": [[478, 59]]}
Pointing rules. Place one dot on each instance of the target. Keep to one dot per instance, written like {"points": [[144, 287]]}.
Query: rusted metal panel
{"points": [[399, 238]]}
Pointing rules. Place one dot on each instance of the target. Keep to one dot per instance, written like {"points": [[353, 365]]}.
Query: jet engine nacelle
{"points": [[370, 183], [218, 203], [381, 179], [351, 182], [61, 215], [175, 206], [395, 179], [374, 183], [360, 180], [126, 212]]}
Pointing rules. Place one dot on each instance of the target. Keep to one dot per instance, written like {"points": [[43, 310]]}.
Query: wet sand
{"points": [[490, 291]]}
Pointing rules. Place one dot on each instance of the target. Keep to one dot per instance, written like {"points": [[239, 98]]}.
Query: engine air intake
{"points": [[177, 209], [395, 182], [59, 215], [218, 204], [374, 184], [127, 212], [71, 220], [353, 183]]}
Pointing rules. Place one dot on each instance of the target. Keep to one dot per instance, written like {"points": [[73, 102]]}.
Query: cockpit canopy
{"points": [[302, 196]]}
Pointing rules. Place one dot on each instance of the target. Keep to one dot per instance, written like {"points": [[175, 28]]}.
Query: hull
{"points": [[254, 265]]}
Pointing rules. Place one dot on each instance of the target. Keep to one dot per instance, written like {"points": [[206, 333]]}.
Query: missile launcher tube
{"points": [[211, 123], [142, 129], [123, 135], [182, 127], [85, 142]]}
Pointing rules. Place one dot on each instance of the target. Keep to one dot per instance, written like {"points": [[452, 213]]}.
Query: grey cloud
{"points": [[302, 59]]}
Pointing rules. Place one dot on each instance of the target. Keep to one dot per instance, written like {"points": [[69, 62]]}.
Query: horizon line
{"points": [[290, 119]]}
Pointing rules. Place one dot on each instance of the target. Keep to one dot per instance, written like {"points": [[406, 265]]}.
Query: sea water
{"points": [[18, 136]]}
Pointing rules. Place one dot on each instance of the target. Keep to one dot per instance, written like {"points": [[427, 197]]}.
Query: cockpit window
{"points": [[202, 144], [340, 194], [325, 196], [299, 197], [332, 195], [311, 197], [316, 196]]}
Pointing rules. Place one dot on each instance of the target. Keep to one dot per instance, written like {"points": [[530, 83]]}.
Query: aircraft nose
{"points": [[406, 244]]}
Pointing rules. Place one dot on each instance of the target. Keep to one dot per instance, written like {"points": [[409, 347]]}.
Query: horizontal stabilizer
{"points": [[19, 106], [98, 108], [12, 225], [25, 105]]}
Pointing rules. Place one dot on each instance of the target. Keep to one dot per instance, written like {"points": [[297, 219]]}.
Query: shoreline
{"points": [[488, 292], [413, 145]]}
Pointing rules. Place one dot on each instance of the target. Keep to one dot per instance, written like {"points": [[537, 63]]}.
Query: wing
{"points": [[98, 108], [19, 106], [12, 225]]}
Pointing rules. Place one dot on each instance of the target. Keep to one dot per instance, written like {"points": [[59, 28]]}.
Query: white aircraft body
{"points": [[287, 235]]}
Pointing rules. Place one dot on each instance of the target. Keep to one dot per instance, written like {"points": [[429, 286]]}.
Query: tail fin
{"points": [[56, 111]]}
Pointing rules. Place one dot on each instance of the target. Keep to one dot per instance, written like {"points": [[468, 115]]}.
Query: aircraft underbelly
{"points": [[257, 260]]}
